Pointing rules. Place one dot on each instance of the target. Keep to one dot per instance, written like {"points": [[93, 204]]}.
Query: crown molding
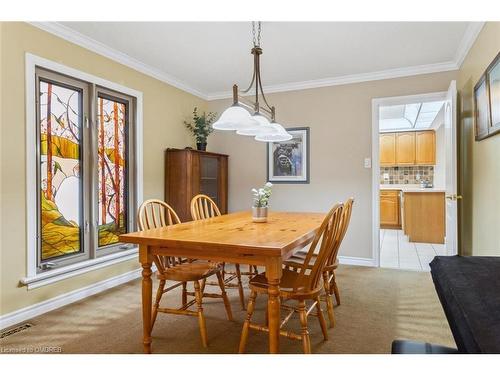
{"points": [[93, 45], [467, 41], [77, 38], [352, 78]]}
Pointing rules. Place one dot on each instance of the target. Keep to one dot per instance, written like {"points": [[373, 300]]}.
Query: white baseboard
{"points": [[355, 261], [30, 312]]}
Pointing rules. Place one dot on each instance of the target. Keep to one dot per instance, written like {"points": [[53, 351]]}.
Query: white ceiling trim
{"points": [[100, 48], [467, 41], [115, 55], [353, 78]]}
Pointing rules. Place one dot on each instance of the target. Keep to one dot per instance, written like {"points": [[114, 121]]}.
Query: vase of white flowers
{"points": [[261, 203]]}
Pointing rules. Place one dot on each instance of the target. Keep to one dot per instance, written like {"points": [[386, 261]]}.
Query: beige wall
{"points": [[340, 122], [480, 161], [164, 109]]}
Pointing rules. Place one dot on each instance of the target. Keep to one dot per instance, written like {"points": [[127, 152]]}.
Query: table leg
{"points": [[273, 275], [147, 291]]}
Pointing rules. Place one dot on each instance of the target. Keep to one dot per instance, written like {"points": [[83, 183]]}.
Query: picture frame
{"points": [[481, 109], [493, 76], [487, 102], [288, 161]]}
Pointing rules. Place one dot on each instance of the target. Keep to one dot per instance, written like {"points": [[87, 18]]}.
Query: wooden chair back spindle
{"points": [[328, 235], [344, 224], [203, 207], [153, 214]]}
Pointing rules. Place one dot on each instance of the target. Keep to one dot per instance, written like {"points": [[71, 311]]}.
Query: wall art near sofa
{"points": [[494, 88], [487, 102], [288, 161]]}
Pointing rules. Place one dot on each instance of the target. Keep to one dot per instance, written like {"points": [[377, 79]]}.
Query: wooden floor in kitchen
{"points": [[397, 252]]}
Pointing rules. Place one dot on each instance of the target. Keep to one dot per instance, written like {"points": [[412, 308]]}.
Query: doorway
{"points": [[414, 178]]}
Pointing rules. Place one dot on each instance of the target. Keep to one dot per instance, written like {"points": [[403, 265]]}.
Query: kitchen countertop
{"points": [[411, 188]]}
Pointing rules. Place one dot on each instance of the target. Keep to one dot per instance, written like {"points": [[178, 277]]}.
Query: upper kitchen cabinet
{"points": [[425, 148], [387, 143], [405, 148]]}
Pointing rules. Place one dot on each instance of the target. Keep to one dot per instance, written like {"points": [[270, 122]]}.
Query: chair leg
{"points": [[203, 285], [329, 302], [306, 343], [227, 305], [159, 294], [335, 288], [184, 293], [240, 287], [267, 317], [201, 317], [246, 324], [321, 319]]}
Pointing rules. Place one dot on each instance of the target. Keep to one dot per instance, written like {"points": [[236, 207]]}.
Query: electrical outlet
{"points": [[386, 176], [417, 177]]}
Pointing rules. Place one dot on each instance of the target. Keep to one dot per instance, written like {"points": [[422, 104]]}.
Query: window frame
{"points": [[83, 88], [130, 200], [91, 260]]}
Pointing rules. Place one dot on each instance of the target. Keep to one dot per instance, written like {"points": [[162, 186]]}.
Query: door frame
{"points": [[376, 104]]}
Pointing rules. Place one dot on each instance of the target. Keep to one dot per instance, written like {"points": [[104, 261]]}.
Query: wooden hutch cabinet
{"points": [[190, 172]]}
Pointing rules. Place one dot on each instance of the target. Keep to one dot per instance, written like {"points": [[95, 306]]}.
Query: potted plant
{"points": [[201, 127], [261, 203]]}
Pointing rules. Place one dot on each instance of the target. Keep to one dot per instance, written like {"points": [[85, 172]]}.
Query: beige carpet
{"points": [[378, 306]]}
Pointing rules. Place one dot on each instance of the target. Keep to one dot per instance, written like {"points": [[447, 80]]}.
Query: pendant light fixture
{"points": [[262, 123]]}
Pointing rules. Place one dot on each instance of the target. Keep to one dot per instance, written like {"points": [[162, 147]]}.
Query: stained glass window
{"points": [[60, 121], [86, 169], [112, 165]]}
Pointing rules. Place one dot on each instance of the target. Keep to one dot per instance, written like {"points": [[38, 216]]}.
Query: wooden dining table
{"points": [[231, 238]]}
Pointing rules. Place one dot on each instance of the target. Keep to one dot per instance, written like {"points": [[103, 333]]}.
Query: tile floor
{"points": [[397, 252]]}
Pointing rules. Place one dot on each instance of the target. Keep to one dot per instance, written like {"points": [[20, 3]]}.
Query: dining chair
{"points": [[203, 207], [330, 284], [300, 284], [153, 214]]}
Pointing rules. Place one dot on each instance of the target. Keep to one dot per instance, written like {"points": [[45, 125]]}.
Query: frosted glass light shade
{"points": [[280, 135], [263, 127], [235, 118]]}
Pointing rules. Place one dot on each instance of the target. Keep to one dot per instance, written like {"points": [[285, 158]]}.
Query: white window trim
{"points": [[32, 279]]}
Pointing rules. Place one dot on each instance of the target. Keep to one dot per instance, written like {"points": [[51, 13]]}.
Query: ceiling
{"points": [[414, 116], [206, 58]]}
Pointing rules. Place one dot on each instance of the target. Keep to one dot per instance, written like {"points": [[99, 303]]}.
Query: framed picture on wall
{"points": [[288, 162], [481, 109], [493, 74]]}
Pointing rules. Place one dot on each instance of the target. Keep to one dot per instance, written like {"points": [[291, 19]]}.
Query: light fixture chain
{"points": [[253, 33], [256, 34]]}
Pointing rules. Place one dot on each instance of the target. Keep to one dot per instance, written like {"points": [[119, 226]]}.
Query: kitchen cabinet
{"points": [[405, 148], [387, 142], [424, 216], [425, 148], [190, 172], [390, 207]]}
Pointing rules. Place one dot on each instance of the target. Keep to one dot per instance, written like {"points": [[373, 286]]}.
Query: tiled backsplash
{"points": [[407, 175]]}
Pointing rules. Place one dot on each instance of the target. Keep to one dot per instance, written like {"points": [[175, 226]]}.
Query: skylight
{"points": [[408, 116]]}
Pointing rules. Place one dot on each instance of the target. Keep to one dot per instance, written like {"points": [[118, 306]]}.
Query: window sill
{"points": [[62, 273]]}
